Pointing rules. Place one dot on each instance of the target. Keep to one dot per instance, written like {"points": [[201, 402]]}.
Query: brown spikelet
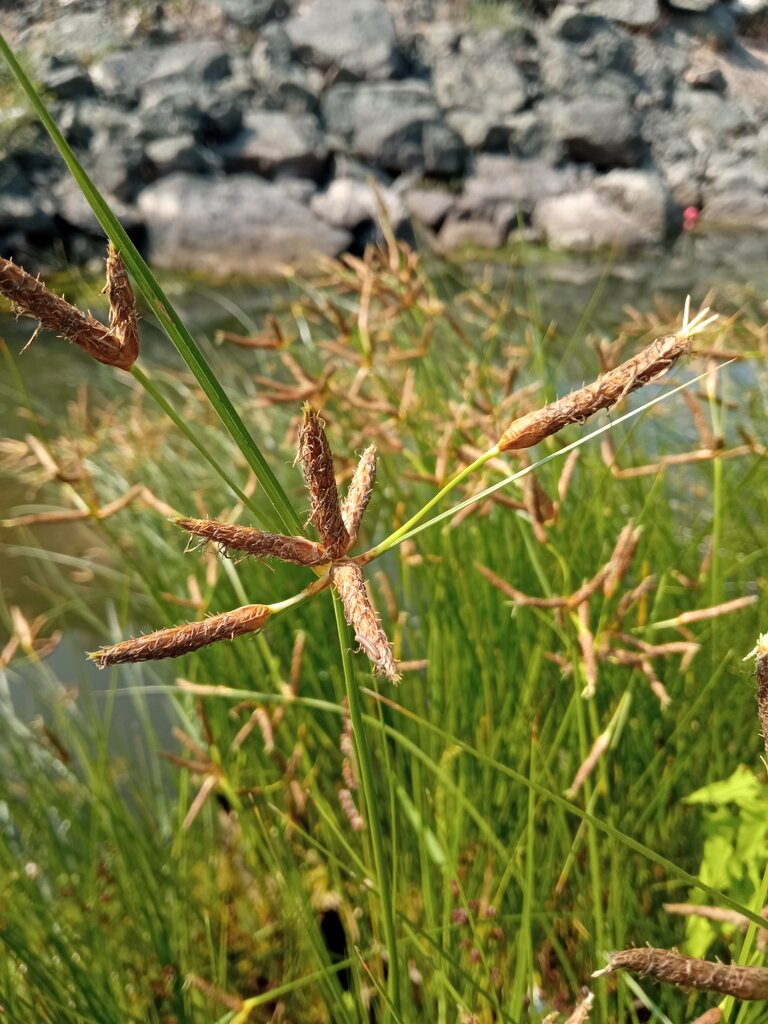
{"points": [[123, 318], [317, 459], [31, 298], [688, 972], [761, 678], [347, 578], [349, 807], [603, 393], [359, 493], [581, 1014], [298, 550], [170, 643], [713, 1016], [623, 553]]}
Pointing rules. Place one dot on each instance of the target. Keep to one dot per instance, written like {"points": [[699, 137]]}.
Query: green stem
{"points": [[394, 538], [365, 765]]}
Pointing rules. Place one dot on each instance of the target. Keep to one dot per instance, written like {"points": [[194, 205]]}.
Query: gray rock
{"points": [[514, 187], [637, 13], [166, 111], [623, 210], [354, 37], [738, 198], [71, 205], [716, 26], [500, 192], [273, 143], [127, 72], [83, 119], [118, 169], [703, 76], [348, 203], [66, 78], [457, 233], [429, 206], [692, 5], [241, 225], [83, 35], [600, 62], [481, 83], [180, 153], [21, 208], [606, 132], [574, 24], [250, 13], [288, 84], [387, 124]]}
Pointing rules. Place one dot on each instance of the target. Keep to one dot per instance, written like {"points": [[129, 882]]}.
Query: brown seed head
{"points": [[170, 643], [317, 460], [31, 298], [123, 318], [258, 543], [605, 392], [688, 972], [359, 493], [347, 578]]}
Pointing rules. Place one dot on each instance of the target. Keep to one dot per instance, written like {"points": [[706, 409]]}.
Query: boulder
{"points": [[602, 131], [699, 6], [127, 72], [429, 206], [287, 83], [251, 14], [622, 210], [355, 38], [273, 142], [738, 197], [181, 107], [65, 78], [395, 125], [241, 225], [347, 203], [507, 188], [637, 13], [73, 208], [482, 85], [180, 153], [20, 208]]}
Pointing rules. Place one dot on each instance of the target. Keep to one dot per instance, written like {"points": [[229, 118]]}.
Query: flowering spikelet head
{"points": [[347, 578], [317, 460], [170, 643], [689, 972], [259, 543], [115, 346], [359, 493], [123, 318], [605, 392]]}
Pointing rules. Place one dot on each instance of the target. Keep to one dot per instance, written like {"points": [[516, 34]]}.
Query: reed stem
{"points": [[365, 764]]}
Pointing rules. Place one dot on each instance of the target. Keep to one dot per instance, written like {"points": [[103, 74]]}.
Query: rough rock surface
{"points": [[586, 123], [240, 225]]}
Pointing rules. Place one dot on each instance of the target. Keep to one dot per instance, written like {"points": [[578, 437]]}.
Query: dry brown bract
{"points": [[116, 345], [688, 972], [337, 523]]}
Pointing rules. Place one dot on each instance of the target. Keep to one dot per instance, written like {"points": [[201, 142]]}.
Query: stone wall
{"points": [[232, 136]]}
